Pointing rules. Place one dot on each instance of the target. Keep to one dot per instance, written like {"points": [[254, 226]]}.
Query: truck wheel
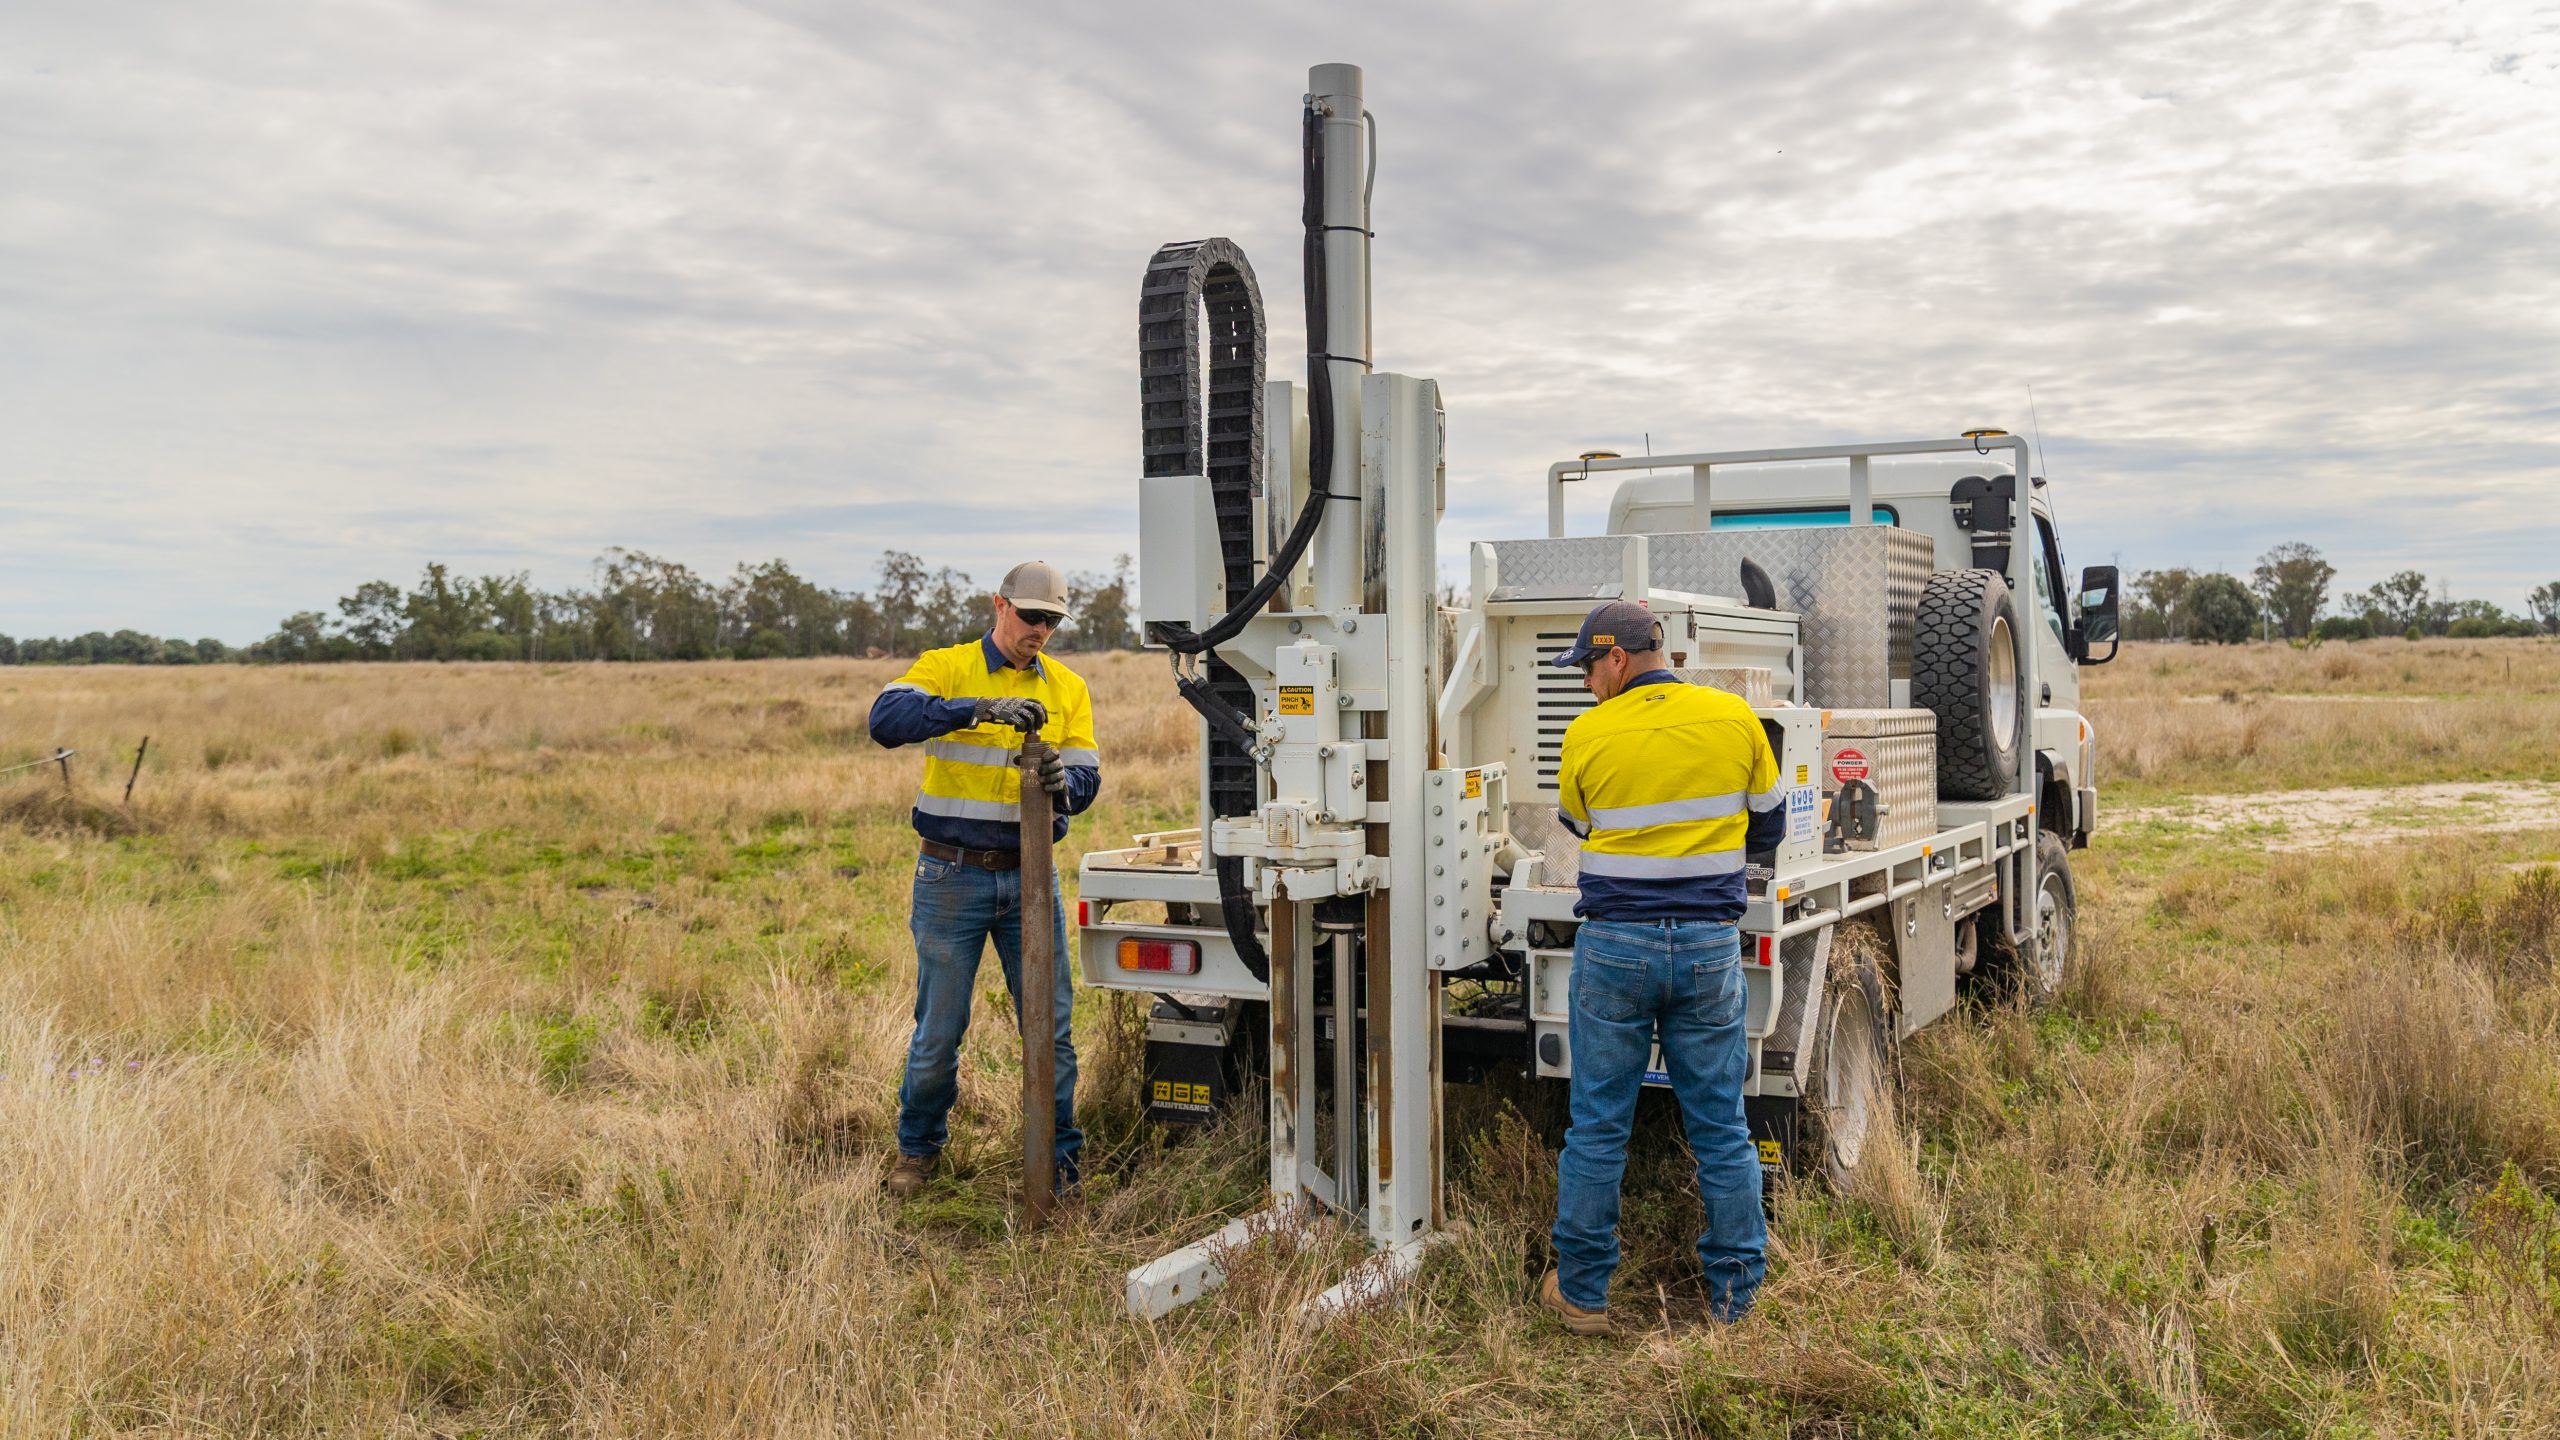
{"points": [[1964, 667], [1849, 1085], [2056, 915]]}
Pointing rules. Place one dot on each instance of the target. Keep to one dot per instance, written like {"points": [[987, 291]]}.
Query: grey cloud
{"points": [[299, 295]]}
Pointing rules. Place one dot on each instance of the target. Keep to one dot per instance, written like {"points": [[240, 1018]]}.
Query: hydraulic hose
{"points": [[1185, 444], [1235, 902], [1181, 639], [1201, 697]]}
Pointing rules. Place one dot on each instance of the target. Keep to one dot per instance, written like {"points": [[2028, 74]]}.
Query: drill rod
{"points": [[1038, 1000]]}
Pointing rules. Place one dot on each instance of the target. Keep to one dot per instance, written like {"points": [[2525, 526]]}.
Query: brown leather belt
{"points": [[977, 859]]}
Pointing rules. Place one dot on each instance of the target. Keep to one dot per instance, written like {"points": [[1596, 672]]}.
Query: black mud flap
{"points": [[1187, 1084], [1773, 1130], [1195, 1055]]}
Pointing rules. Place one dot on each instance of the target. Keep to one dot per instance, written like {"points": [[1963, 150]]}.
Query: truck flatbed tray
{"points": [[1160, 851]]}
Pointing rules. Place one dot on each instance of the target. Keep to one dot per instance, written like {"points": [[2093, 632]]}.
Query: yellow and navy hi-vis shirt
{"points": [[972, 791], [1668, 783]]}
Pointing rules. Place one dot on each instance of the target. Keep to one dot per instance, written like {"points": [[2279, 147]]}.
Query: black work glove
{"points": [[1053, 774], [1019, 711]]}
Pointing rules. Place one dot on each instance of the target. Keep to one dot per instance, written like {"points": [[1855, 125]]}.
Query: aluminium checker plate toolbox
{"points": [[1857, 588]]}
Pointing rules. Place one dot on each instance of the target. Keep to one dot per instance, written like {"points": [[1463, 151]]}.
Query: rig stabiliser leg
{"points": [[1374, 1280], [1169, 1282]]}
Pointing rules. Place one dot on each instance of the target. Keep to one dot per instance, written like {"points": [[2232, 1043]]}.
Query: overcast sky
{"points": [[295, 295]]}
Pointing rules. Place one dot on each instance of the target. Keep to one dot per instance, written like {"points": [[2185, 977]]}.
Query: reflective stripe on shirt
{"points": [[1668, 782], [1660, 867], [972, 776], [1666, 812], [968, 754], [953, 809]]}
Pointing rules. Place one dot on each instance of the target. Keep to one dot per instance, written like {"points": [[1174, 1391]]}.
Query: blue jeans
{"points": [[1681, 981], [955, 908]]}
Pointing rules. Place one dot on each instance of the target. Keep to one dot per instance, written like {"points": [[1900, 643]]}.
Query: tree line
{"points": [[645, 607], [637, 607], [2287, 596]]}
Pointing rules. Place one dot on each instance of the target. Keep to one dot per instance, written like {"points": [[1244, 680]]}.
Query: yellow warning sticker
{"points": [[1475, 785], [1803, 773], [1769, 1152], [1297, 699]]}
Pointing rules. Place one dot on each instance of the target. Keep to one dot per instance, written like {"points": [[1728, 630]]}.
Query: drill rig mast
{"points": [[1316, 680]]}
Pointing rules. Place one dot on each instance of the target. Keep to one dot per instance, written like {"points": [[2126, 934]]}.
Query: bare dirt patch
{"points": [[2235, 698], [2360, 815]]}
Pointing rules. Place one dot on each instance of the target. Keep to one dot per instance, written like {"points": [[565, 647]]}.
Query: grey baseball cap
{"points": [[1036, 585], [1621, 623]]}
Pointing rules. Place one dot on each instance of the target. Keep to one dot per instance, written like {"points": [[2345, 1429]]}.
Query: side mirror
{"points": [[2098, 612]]}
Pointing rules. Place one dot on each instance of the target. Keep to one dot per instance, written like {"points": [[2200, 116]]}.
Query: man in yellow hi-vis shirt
{"points": [[969, 705], [1669, 785]]}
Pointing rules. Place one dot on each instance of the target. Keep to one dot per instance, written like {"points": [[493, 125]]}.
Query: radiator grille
{"points": [[1560, 697]]}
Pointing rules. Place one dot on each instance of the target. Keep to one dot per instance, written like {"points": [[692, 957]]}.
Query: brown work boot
{"points": [[908, 1176], [1575, 1318]]}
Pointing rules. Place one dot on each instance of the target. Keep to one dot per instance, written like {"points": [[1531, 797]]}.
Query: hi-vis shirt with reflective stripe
{"points": [[1667, 783], [971, 793]]}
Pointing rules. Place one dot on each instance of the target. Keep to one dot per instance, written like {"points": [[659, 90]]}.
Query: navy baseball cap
{"points": [[1622, 623]]}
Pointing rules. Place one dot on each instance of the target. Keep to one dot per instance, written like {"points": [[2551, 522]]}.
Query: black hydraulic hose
{"points": [[1235, 909], [1235, 902], [1182, 640], [1199, 696]]}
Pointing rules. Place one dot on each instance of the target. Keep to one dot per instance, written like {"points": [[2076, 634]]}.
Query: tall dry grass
{"points": [[2190, 718], [492, 1050]]}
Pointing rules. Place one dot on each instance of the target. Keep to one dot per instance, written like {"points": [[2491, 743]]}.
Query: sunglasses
{"points": [[1040, 618]]}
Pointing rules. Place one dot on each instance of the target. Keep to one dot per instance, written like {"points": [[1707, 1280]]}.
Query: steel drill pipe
{"points": [[1037, 1004]]}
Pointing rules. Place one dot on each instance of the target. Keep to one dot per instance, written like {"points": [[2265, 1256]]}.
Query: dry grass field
{"points": [[501, 1050]]}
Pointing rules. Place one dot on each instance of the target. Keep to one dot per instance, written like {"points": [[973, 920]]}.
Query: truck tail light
{"points": [[1768, 947], [1084, 913], [1174, 957]]}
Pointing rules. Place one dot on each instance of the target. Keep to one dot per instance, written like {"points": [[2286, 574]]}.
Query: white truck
{"points": [[1379, 899]]}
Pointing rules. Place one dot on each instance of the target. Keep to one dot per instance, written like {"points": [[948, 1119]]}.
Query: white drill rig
{"points": [[1378, 870]]}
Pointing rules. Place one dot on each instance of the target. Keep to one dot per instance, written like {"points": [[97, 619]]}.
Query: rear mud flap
{"points": [[1773, 1131]]}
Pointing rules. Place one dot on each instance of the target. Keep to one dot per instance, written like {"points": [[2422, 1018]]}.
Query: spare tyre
{"points": [[1964, 667]]}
